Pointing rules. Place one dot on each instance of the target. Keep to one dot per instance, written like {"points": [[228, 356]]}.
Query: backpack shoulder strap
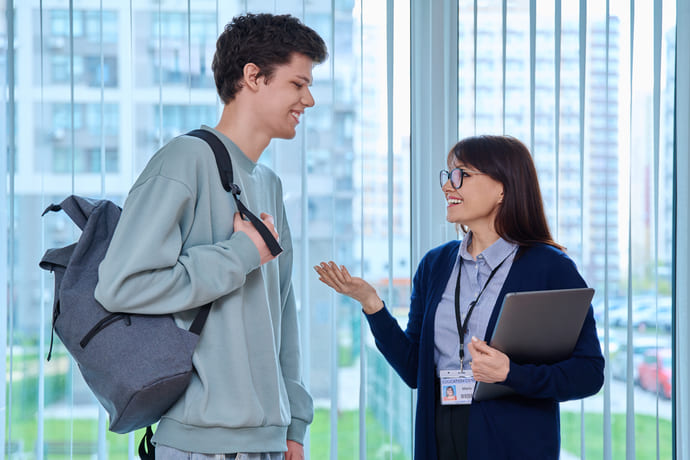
{"points": [[226, 176], [222, 157]]}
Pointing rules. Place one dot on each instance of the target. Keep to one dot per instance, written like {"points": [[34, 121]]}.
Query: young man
{"points": [[180, 244]]}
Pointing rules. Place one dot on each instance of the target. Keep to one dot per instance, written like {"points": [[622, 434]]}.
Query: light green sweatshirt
{"points": [[174, 250]]}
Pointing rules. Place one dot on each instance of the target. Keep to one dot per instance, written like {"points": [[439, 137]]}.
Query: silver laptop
{"points": [[537, 327]]}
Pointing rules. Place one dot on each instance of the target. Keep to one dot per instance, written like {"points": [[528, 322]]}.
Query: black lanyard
{"points": [[462, 325]]}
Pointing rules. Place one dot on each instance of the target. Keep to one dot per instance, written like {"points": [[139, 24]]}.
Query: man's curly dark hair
{"points": [[266, 40]]}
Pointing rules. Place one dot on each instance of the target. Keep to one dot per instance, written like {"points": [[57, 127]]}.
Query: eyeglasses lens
{"points": [[455, 177]]}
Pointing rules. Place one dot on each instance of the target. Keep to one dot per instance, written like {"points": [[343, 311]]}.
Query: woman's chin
{"points": [[452, 220]]}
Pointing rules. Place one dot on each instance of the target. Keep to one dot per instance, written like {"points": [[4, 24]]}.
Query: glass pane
{"points": [[97, 116], [347, 168], [606, 189], [383, 250], [93, 144]]}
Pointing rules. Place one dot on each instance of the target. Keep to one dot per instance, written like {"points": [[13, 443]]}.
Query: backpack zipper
{"points": [[102, 324]]}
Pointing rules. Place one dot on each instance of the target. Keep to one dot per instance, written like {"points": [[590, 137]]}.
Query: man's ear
{"points": [[251, 76]]}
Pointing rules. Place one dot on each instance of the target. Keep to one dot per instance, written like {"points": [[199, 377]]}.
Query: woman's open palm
{"points": [[340, 279]]}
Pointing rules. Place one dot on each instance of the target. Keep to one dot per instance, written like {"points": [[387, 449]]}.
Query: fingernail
{"points": [[474, 339]]}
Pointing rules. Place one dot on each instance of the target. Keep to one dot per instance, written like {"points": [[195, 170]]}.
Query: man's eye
{"points": [[298, 85]]}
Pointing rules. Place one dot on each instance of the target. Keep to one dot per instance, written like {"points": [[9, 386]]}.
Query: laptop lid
{"points": [[539, 327]]}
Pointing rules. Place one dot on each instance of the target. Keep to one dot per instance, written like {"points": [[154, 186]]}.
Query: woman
{"points": [[492, 193]]}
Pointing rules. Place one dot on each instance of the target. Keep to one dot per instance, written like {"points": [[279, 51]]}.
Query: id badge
{"points": [[457, 387]]}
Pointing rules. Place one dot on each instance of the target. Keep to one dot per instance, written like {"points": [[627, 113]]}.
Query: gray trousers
{"points": [[170, 453]]}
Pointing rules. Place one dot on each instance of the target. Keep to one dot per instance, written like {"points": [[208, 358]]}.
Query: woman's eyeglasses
{"points": [[456, 176]]}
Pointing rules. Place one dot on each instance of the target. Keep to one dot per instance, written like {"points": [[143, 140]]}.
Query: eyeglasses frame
{"points": [[449, 175]]}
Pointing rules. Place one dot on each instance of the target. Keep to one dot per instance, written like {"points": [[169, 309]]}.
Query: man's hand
{"points": [[295, 451], [241, 225], [488, 364]]}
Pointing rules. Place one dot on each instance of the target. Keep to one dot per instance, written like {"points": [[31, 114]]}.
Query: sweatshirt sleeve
{"points": [[146, 270], [579, 376], [301, 403]]}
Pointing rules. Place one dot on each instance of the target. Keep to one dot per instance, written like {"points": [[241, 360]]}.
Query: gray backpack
{"points": [[136, 365]]}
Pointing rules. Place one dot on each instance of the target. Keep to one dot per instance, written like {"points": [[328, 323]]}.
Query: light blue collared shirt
{"points": [[472, 279]]}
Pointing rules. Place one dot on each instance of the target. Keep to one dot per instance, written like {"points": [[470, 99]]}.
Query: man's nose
{"points": [[308, 99]]}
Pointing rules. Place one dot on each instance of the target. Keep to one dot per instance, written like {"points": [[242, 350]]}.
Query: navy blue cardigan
{"points": [[524, 426]]}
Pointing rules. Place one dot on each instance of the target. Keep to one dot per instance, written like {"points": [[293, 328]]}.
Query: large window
{"points": [[589, 86], [112, 82]]}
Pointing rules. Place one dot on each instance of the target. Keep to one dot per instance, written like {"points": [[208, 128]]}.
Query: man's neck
{"points": [[241, 130]]}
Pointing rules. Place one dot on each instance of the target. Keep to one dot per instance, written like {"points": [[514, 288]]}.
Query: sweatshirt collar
{"points": [[239, 159]]}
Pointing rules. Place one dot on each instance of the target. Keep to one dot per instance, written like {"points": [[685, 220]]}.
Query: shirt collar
{"points": [[493, 255]]}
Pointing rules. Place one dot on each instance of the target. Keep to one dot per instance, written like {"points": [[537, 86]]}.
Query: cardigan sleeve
{"points": [[579, 376]]}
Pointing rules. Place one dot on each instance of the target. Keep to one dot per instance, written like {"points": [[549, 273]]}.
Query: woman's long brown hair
{"points": [[520, 218]]}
